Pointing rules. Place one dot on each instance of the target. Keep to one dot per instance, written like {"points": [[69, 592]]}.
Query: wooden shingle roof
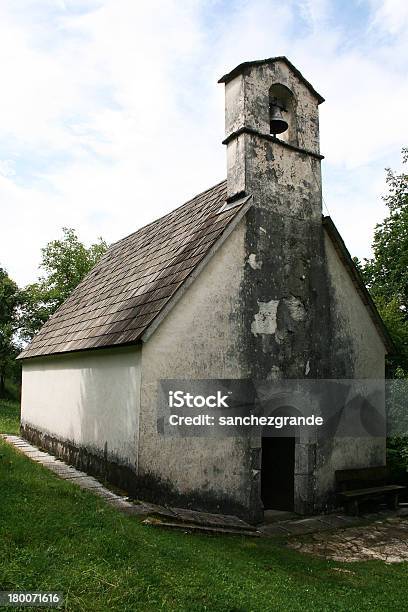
{"points": [[135, 279]]}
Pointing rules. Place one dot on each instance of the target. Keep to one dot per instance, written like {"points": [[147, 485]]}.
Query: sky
{"points": [[111, 115]]}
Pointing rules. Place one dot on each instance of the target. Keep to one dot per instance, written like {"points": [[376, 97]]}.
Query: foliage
{"points": [[9, 302], [397, 459], [65, 261], [386, 274], [56, 536], [397, 416], [396, 322]]}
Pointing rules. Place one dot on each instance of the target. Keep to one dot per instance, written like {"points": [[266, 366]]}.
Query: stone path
{"points": [[322, 522], [384, 540], [79, 478], [309, 525]]}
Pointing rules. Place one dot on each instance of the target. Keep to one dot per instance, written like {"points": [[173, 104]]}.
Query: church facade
{"points": [[247, 280]]}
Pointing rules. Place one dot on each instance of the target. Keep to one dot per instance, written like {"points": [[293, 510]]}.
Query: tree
{"points": [[386, 274], [9, 302], [65, 262]]}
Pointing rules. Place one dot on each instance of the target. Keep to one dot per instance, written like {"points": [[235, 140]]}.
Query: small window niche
{"points": [[282, 114]]}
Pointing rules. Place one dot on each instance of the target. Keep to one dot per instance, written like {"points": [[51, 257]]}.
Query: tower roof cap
{"points": [[280, 58]]}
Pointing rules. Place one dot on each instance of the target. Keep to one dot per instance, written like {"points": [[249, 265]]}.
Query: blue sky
{"points": [[110, 112]]}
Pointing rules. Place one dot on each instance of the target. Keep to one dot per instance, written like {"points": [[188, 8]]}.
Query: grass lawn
{"points": [[9, 417], [54, 536]]}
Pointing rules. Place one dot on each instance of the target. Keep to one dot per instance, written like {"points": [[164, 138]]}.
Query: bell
{"points": [[278, 124]]}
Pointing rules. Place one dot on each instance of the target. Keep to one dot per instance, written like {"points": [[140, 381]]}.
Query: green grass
{"points": [[9, 417], [54, 536]]}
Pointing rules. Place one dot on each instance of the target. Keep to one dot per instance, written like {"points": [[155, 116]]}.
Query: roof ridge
{"points": [[143, 227]]}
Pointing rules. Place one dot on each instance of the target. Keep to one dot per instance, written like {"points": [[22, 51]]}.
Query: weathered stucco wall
{"points": [[90, 400], [199, 339], [356, 339], [357, 352]]}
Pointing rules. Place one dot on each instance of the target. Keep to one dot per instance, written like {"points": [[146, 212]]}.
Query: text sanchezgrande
{"points": [[251, 420]]}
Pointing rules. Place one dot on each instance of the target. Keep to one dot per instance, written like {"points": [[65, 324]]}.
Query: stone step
{"points": [[194, 527], [210, 519]]}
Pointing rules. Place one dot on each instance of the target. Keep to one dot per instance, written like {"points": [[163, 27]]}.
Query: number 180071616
{"points": [[31, 598]]}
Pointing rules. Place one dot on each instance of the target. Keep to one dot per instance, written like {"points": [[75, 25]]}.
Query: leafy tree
{"points": [[386, 274], [9, 302], [65, 262]]}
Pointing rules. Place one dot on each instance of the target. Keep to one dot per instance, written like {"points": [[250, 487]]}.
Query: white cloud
{"points": [[7, 167], [390, 16], [110, 114]]}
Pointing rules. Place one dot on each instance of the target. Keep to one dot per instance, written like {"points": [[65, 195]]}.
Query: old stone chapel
{"points": [[246, 280]]}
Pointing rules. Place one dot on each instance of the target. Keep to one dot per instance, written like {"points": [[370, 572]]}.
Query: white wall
{"points": [[353, 321], [199, 339], [91, 399], [359, 340]]}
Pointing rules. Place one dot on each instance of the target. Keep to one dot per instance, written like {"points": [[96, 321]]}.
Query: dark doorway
{"points": [[278, 473]]}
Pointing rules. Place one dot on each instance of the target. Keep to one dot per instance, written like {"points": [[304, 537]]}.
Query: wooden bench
{"points": [[364, 484]]}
